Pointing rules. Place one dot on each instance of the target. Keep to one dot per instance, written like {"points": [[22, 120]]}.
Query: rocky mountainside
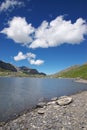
{"points": [[7, 67], [30, 71]]}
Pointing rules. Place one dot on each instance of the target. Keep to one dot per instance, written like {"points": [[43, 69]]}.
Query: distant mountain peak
{"points": [[23, 69]]}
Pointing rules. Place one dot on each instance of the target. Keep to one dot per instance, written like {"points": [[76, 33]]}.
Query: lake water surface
{"points": [[20, 94]]}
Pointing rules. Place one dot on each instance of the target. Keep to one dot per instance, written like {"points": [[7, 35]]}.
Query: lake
{"points": [[20, 94]]}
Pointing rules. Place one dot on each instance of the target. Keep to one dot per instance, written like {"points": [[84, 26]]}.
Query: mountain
{"points": [[7, 69], [77, 71], [7, 66], [30, 71]]}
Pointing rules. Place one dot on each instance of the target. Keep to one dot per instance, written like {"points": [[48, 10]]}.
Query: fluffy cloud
{"points": [[30, 57], [48, 34], [59, 31], [19, 30], [22, 56], [9, 4], [36, 62]]}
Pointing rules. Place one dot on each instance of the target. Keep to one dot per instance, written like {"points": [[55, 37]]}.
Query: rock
{"points": [[41, 104], [41, 111], [54, 99], [0, 128], [64, 100], [51, 103], [2, 123]]}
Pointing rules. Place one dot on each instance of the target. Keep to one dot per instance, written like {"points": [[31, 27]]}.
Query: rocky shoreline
{"points": [[81, 81], [65, 113]]}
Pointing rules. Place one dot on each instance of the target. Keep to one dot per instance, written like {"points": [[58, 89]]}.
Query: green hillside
{"points": [[73, 72]]}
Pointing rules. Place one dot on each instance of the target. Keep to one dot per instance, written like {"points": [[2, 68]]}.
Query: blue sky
{"points": [[49, 35]]}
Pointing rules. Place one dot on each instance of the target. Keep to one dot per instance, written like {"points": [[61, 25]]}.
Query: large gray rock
{"points": [[54, 99], [41, 111], [41, 104], [51, 103], [64, 100]]}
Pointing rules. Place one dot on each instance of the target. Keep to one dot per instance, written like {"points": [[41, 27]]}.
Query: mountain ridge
{"points": [[7, 69]]}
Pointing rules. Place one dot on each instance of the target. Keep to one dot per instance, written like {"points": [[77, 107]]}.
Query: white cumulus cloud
{"points": [[22, 56], [59, 31], [48, 34], [19, 30], [30, 57], [9, 4], [36, 62]]}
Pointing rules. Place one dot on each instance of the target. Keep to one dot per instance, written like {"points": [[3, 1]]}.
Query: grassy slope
{"points": [[74, 72]]}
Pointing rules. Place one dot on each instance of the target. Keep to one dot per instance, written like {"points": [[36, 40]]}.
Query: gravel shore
{"points": [[53, 116], [81, 81]]}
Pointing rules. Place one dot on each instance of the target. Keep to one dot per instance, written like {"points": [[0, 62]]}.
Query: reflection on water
{"points": [[19, 94]]}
